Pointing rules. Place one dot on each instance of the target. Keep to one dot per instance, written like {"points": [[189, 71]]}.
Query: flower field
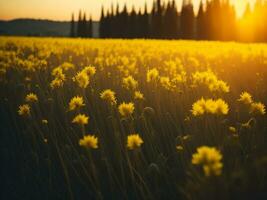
{"points": [[132, 119]]}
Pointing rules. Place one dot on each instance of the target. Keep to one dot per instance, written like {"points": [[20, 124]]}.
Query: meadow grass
{"points": [[146, 108]]}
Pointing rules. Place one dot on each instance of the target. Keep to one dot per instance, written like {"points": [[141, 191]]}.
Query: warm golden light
{"points": [[61, 9]]}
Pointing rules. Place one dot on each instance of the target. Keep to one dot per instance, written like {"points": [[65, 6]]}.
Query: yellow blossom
{"points": [[138, 95], [80, 119], [258, 108], [82, 79], [246, 98], [76, 102], [210, 159], [90, 70], [152, 75], [89, 141], [134, 141], [24, 109], [166, 83], [129, 83], [109, 96], [209, 106], [56, 83], [199, 107], [31, 97], [126, 109], [222, 108]]}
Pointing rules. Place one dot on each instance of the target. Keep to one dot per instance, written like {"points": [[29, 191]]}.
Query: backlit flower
{"points": [[89, 141], [134, 141]]}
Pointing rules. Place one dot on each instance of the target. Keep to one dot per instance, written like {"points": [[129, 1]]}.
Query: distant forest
{"points": [[215, 20]]}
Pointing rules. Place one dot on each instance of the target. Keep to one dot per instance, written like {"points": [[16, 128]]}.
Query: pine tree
{"points": [[153, 19], [111, 22], [201, 25], [124, 23], [79, 26], [102, 24], [108, 25], [145, 23], [133, 24], [175, 21], [84, 26], [187, 20], [90, 27], [159, 20], [72, 26]]}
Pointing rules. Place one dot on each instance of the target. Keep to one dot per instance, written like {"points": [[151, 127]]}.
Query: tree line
{"points": [[214, 20]]}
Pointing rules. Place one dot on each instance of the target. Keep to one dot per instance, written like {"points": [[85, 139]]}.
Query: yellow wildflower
{"points": [[31, 97], [138, 95], [109, 96], [210, 159], [258, 108], [80, 119], [210, 106], [166, 83], [90, 70], [222, 108], [24, 109], [89, 141], [198, 107], [126, 109], [129, 83], [134, 141], [82, 79], [246, 98], [76, 102], [56, 83], [152, 75]]}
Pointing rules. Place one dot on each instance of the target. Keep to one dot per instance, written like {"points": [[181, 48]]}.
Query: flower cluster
{"points": [[210, 159], [254, 107], [210, 106], [209, 79]]}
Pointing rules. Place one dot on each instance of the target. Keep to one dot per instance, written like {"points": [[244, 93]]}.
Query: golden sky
{"points": [[62, 9]]}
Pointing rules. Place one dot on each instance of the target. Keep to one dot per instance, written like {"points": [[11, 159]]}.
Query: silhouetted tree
{"points": [[124, 23], [132, 24], [79, 25], [102, 24], [84, 26], [187, 20], [159, 20], [89, 29], [72, 26], [201, 23]]}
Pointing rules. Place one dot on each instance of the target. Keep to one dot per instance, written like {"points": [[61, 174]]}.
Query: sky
{"points": [[61, 9]]}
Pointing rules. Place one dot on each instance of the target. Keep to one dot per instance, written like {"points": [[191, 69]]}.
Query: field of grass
{"points": [[132, 119]]}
